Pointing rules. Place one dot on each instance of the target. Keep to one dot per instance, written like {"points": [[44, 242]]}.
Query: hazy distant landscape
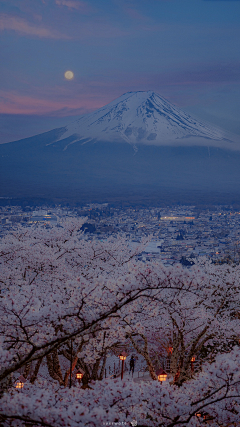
{"points": [[146, 151]]}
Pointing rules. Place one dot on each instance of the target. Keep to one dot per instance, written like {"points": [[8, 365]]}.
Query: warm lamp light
{"points": [[161, 374], [162, 377], [19, 385], [199, 415], [79, 375], [20, 382], [123, 356], [192, 360]]}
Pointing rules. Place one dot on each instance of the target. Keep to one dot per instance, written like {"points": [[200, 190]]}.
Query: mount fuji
{"points": [[139, 148], [142, 118]]}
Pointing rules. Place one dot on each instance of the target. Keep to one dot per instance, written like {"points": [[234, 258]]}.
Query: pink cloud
{"points": [[14, 103], [22, 26], [74, 4], [135, 14]]}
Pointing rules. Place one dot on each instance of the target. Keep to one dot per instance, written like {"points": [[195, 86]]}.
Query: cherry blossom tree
{"points": [[198, 317], [57, 286], [64, 297], [214, 395]]}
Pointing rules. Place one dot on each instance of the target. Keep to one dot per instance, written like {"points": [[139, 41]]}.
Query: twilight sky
{"points": [[186, 50]]}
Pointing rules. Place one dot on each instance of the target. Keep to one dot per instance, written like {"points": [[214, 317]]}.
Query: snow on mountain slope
{"points": [[146, 118]]}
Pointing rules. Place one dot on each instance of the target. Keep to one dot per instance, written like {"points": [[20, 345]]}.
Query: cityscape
{"points": [[176, 234]]}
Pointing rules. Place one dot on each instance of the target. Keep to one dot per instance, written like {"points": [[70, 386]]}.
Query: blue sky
{"points": [[186, 50]]}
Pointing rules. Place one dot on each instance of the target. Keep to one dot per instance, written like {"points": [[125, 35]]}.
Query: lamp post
{"points": [[71, 357], [162, 375], [192, 365], [79, 375], [122, 357]]}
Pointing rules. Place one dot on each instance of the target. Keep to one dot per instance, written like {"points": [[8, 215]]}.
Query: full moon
{"points": [[68, 75]]}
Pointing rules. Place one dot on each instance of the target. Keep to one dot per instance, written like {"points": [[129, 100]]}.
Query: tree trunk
{"points": [[74, 362], [103, 366], [67, 373], [85, 380], [56, 364], [145, 354], [35, 373], [54, 371], [27, 369], [94, 375]]}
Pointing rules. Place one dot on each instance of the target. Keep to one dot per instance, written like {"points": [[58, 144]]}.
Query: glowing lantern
{"points": [[161, 374], [123, 356], [200, 415], [19, 385], [79, 375], [20, 382]]}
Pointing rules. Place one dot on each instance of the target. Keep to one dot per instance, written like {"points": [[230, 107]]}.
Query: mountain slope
{"points": [[143, 118]]}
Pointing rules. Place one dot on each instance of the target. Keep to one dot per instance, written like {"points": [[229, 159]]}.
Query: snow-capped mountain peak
{"points": [[143, 118]]}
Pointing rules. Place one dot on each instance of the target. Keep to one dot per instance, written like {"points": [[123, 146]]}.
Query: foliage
{"points": [[68, 298]]}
